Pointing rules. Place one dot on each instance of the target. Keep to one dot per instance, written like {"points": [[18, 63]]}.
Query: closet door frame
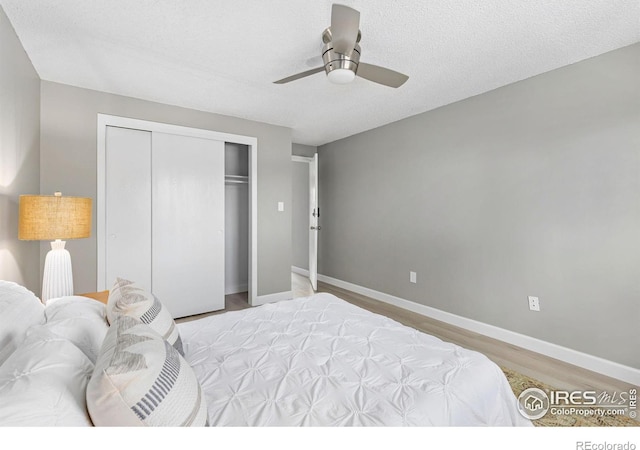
{"points": [[105, 120]]}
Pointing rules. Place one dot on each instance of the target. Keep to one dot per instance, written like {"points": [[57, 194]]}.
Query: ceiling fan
{"points": [[341, 53]]}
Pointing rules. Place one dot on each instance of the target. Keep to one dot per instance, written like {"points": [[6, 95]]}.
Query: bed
{"points": [[313, 361]]}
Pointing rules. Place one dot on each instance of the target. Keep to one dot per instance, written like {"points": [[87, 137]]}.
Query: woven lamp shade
{"points": [[50, 217]]}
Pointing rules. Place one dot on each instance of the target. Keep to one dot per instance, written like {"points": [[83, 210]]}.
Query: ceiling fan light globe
{"points": [[341, 76]]}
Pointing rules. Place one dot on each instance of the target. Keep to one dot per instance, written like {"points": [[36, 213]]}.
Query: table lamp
{"points": [[54, 218]]}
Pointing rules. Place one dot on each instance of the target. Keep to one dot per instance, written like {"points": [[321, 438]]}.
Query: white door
{"points": [[313, 221], [188, 223], [128, 206]]}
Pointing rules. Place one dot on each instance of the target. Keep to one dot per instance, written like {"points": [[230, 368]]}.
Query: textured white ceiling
{"points": [[223, 55]]}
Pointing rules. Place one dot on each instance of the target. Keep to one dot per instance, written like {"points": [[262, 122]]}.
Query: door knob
{"points": [[316, 228]]}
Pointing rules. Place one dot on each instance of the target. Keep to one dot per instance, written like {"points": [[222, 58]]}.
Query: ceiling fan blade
{"points": [[300, 75], [345, 24], [381, 75]]}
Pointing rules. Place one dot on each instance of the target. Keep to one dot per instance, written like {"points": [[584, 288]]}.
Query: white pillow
{"points": [[19, 310], [141, 380], [79, 319], [43, 383], [129, 299]]}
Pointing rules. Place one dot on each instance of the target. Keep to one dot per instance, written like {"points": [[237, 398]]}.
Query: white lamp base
{"points": [[58, 278]]}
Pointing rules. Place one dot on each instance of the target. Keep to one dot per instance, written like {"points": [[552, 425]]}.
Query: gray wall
{"points": [[68, 162], [530, 189], [19, 156], [303, 150], [300, 206]]}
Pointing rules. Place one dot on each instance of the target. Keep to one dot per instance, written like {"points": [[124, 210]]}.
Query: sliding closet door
{"points": [[128, 206], [188, 223]]}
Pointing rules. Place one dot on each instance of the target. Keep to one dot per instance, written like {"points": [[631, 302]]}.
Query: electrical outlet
{"points": [[534, 303], [413, 278]]}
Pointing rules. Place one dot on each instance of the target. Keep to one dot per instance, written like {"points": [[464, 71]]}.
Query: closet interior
{"points": [[236, 217]]}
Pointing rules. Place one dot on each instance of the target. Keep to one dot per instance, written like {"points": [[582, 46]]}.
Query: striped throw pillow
{"points": [[141, 380], [127, 298]]}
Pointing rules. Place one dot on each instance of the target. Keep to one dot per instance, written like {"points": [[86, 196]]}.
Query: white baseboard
{"points": [[590, 362], [271, 298], [300, 271]]}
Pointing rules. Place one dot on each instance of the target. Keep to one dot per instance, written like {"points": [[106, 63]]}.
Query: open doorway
{"points": [[305, 218]]}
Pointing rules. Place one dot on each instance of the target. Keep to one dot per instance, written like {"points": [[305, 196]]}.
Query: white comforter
{"points": [[321, 361]]}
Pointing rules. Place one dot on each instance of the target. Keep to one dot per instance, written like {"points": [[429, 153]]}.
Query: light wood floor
{"points": [[556, 373]]}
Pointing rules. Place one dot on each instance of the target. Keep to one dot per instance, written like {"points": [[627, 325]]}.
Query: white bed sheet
{"points": [[320, 361]]}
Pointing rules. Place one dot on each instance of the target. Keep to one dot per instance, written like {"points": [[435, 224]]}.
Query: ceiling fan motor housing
{"points": [[333, 60]]}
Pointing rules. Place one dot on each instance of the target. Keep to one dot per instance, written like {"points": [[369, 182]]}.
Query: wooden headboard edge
{"points": [[101, 296]]}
